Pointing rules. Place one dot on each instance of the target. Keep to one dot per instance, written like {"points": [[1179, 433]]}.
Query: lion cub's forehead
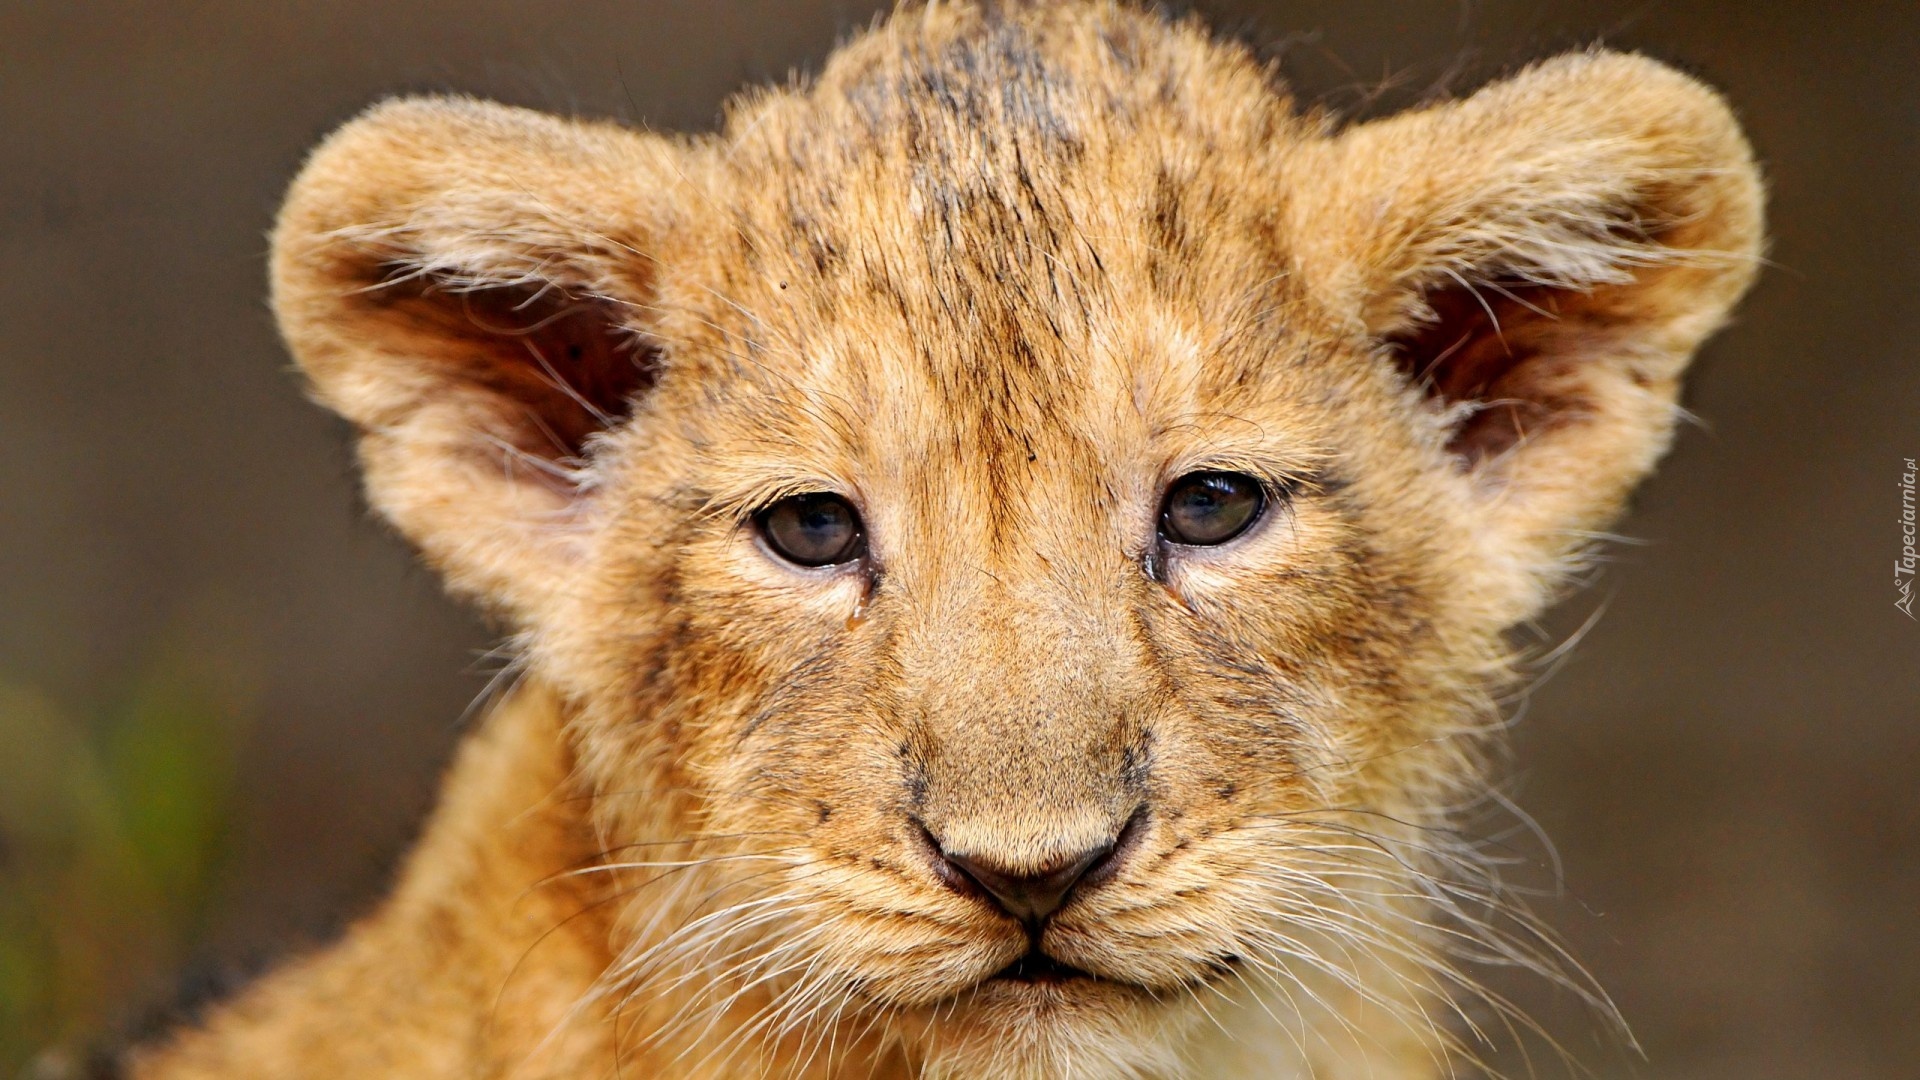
{"points": [[1007, 238]]}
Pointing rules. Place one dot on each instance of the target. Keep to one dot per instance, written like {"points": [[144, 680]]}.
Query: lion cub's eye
{"points": [[1206, 508], [816, 529]]}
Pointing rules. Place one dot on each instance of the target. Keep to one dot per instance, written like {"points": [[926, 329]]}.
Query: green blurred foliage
{"points": [[114, 822]]}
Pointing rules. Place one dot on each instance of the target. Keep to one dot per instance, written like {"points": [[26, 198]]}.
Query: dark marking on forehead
{"points": [[816, 246], [997, 85], [1171, 245]]}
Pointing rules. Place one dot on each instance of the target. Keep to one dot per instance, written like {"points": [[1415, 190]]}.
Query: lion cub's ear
{"points": [[467, 283], [1540, 260]]}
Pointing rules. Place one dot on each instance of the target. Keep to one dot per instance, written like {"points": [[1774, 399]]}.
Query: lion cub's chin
{"points": [[1076, 1025]]}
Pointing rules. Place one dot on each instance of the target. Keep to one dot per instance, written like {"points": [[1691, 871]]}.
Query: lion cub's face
{"points": [[1032, 515]]}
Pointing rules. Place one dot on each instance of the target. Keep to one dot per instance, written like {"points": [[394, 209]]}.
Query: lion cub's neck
{"points": [[487, 959], [484, 958]]}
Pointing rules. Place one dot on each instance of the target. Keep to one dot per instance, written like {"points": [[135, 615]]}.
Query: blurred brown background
{"points": [[225, 693]]}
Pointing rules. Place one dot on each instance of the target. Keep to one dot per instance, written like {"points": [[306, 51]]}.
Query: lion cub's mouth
{"points": [[1039, 968]]}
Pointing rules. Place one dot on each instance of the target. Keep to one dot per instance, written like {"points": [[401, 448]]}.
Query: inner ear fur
{"points": [[1540, 260], [468, 283]]}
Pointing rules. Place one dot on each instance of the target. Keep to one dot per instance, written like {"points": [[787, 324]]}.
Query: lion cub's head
{"points": [[1033, 514]]}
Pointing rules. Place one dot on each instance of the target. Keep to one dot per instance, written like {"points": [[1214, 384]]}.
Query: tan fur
{"points": [[998, 276]]}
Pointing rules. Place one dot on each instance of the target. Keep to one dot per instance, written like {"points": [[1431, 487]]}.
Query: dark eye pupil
{"points": [[812, 530], [1210, 507]]}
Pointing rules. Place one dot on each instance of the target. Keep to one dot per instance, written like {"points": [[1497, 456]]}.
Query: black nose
{"points": [[1029, 897]]}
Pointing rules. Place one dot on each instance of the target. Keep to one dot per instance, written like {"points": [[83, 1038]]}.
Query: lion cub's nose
{"points": [[1029, 897]]}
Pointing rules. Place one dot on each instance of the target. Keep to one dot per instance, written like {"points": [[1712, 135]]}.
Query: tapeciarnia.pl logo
{"points": [[1903, 567]]}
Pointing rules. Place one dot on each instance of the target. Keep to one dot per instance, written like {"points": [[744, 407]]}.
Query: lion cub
{"points": [[1010, 546]]}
